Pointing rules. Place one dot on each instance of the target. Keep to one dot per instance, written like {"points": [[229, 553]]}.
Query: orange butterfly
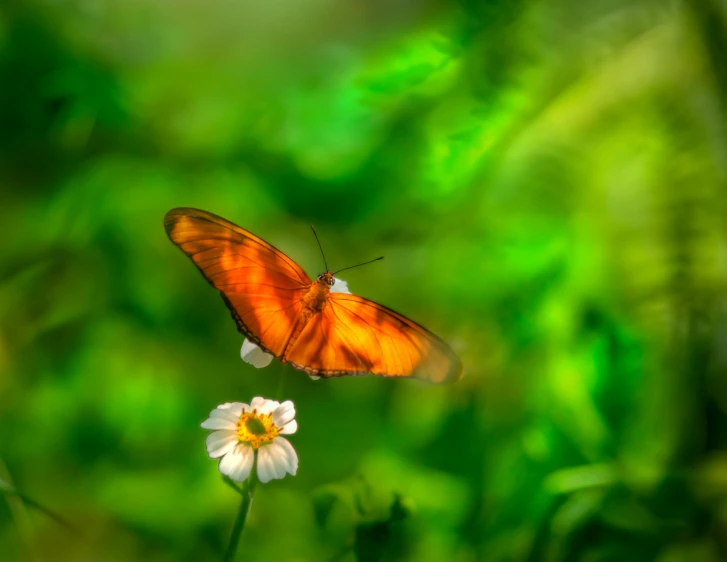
{"points": [[277, 306]]}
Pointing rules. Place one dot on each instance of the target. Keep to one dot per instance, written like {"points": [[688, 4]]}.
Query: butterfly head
{"points": [[327, 278]]}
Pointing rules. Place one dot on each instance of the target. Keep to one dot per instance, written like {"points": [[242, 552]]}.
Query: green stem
{"points": [[281, 381], [248, 488]]}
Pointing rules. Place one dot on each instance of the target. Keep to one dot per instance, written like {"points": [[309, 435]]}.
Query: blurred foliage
{"points": [[548, 184]]}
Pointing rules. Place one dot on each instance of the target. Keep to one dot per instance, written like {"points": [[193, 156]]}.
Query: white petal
{"points": [[283, 414], [263, 405], [290, 455], [237, 464], [220, 443], [271, 463], [234, 407], [224, 416], [265, 465], [251, 353], [290, 428], [280, 460], [218, 423], [340, 286]]}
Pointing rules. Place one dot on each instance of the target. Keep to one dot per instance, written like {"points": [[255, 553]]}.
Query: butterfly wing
{"points": [[356, 336], [261, 286]]}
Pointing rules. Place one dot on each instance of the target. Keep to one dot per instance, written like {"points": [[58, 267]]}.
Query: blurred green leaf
{"points": [[546, 181]]}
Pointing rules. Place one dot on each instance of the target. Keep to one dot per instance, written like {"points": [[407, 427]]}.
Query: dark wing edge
{"points": [[242, 327]]}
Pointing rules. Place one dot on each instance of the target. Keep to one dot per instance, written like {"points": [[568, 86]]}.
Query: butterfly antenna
{"points": [[360, 264], [319, 245]]}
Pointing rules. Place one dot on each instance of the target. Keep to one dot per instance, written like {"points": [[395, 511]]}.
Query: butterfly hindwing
{"points": [[355, 336]]}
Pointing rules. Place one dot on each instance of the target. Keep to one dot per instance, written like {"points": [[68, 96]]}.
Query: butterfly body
{"points": [[316, 298], [314, 302], [300, 321]]}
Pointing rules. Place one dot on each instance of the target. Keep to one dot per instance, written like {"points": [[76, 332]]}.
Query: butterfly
{"points": [[301, 321]]}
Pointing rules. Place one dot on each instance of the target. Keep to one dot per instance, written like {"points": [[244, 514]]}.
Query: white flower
{"points": [[253, 354], [241, 429], [340, 286]]}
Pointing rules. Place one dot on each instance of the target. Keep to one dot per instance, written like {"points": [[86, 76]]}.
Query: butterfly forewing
{"points": [[260, 284]]}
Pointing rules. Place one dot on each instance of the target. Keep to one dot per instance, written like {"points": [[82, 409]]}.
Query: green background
{"points": [[547, 181]]}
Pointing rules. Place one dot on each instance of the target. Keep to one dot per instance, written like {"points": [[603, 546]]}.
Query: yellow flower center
{"points": [[256, 429]]}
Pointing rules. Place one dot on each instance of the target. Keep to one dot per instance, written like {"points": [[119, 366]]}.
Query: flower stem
{"points": [[248, 488], [281, 381]]}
